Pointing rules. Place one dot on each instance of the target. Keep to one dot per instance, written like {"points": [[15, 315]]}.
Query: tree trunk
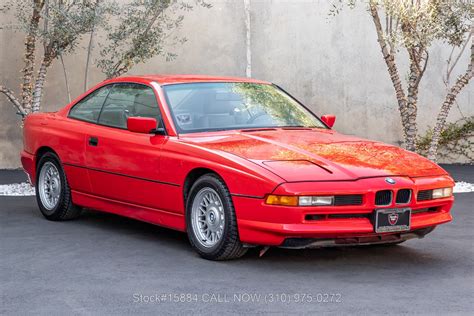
{"points": [[89, 52], [411, 108], [30, 49], [248, 34], [39, 84], [393, 72], [461, 82], [11, 97]]}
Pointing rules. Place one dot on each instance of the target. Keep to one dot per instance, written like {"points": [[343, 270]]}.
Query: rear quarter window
{"points": [[88, 109]]}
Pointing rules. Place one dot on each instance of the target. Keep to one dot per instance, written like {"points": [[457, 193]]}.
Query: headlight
{"points": [[316, 200], [286, 200], [442, 193]]}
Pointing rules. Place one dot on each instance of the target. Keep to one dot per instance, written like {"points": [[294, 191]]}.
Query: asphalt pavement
{"points": [[105, 264]]}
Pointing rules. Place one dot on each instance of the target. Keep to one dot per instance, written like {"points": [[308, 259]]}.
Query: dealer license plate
{"points": [[392, 220]]}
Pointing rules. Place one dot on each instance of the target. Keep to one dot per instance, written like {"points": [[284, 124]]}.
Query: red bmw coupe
{"points": [[233, 162]]}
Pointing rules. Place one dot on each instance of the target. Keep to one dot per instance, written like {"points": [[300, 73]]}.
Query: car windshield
{"points": [[200, 107]]}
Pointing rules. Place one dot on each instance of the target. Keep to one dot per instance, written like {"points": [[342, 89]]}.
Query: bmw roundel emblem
{"points": [[390, 181]]}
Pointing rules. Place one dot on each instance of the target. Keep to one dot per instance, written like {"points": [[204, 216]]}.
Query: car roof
{"points": [[173, 79]]}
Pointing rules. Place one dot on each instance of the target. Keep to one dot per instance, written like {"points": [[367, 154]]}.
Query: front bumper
{"points": [[28, 163], [262, 224], [299, 243]]}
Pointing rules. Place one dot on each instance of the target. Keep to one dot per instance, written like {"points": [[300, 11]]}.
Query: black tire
{"points": [[64, 209], [229, 246]]}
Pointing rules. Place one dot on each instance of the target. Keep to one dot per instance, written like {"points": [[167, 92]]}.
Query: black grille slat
{"points": [[314, 217], [383, 197], [319, 217], [341, 200], [403, 196], [424, 195]]}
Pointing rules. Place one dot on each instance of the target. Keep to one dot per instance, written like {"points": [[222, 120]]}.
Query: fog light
{"points": [[442, 193], [316, 200]]}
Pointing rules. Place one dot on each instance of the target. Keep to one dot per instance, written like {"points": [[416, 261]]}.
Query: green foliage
{"points": [[64, 22], [141, 31], [135, 31], [456, 140], [66, 25], [413, 25], [417, 23]]}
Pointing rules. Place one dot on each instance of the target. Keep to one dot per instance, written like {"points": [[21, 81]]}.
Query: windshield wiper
{"points": [[258, 129], [296, 127]]}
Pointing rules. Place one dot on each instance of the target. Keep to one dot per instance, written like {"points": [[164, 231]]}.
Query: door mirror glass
{"points": [[329, 120]]}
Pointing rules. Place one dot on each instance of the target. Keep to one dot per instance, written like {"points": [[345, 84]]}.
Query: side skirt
{"points": [[141, 213]]}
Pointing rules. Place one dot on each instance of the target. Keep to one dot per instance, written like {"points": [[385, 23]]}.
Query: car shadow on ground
{"points": [[356, 256]]}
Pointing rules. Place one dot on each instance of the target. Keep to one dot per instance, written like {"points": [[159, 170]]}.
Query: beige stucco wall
{"points": [[333, 65]]}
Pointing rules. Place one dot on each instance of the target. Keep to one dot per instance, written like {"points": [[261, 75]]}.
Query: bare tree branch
{"points": [[89, 48], [461, 82], [450, 69], [11, 97], [66, 81]]}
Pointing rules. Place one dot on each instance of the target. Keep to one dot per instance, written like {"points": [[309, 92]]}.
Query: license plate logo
{"points": [[392, 218]]}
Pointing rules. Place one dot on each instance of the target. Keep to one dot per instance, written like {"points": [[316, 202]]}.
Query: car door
{"points": [[124, 166], [82, 117]]}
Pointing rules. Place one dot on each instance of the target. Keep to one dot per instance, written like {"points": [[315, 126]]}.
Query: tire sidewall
{"points": [[211, 182], [55, 212]]}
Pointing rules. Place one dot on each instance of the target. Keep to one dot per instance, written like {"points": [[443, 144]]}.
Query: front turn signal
{"points": [[282, 200]]}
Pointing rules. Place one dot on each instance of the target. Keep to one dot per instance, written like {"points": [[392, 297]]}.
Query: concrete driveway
{"points": [[104, 264]]}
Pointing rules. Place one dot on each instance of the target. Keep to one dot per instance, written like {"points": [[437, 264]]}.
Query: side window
{"points": [[126, 100], [88, 109]]}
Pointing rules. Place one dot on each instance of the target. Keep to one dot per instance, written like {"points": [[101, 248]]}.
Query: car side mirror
{"points": [[144, 125], [329, 120]]}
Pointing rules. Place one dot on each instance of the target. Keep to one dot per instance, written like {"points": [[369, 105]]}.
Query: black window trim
{"points": [[112, 84]]}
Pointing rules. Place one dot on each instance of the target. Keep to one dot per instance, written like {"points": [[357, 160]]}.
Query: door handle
{"points": [[93, 141]]}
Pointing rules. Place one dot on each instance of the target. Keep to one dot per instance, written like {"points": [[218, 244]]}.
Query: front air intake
{"points": [[424, 195], [350, 199]]}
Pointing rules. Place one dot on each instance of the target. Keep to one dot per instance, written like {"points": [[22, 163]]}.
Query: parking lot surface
{"points": [[103, 263]]}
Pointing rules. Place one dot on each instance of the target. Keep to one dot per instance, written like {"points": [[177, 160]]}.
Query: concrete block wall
{"points": [[332, 64]]}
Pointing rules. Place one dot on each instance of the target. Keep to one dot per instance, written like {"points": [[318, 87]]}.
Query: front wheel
{"points": [[52, 190], [211, 221]]}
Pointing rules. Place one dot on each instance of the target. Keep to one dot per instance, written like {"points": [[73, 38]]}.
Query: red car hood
{"points": [[309, 155]]}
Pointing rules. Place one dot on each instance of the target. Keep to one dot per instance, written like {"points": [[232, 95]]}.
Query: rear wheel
{"points": [[211, 221], [52, 190]]}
